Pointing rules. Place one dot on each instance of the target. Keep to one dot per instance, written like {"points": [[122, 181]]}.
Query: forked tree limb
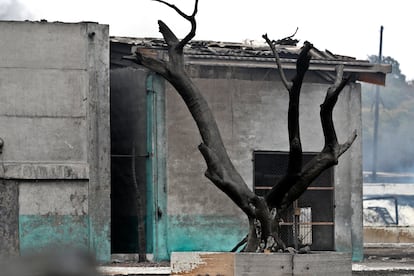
{"points": [[332, 150], [297, 179], [182, 14], [294, 167], [220, 169], [327, 107], [190, 18], [327, 110], [294, 88]]}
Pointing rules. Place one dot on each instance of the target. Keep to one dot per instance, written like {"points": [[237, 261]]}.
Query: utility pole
{"points": [[376, 116]]}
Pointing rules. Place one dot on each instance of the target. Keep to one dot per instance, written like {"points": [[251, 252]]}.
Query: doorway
{"points": [[128, 161], [138, 164]]}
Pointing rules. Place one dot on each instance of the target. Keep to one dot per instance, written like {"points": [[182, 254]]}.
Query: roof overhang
{"points": [[362, 70], [323, 63]]}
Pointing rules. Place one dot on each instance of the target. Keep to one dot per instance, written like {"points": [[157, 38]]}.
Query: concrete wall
{"points": [[9, 219], [389, 234], [251, 110], [251, 264], [398, 196], [54, 120]]}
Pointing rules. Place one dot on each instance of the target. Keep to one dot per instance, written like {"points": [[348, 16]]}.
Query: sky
{"points": [[349, 27]]}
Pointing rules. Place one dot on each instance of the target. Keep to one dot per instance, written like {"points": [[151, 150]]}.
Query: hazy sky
{"points": [[344, 27]]}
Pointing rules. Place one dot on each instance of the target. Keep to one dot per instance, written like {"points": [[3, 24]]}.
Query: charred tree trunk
{"points": [[262, 212]]}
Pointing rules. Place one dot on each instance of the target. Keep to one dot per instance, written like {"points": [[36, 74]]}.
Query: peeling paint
{"points": [[204, 233], [186, 262], [46, 231], [100, 243]]}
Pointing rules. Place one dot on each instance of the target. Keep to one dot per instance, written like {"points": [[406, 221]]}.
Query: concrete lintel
{"points": [[35, 171]]}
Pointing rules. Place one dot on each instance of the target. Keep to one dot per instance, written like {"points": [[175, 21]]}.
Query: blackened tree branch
{"points": [[263, 235], [153, 64], [220, 169], [297, 179], [190, 18], [332, 150], [295, 145], [345, 146], [274, 197], [169, 37], [174, 7], [327, 107], [282, 75]]}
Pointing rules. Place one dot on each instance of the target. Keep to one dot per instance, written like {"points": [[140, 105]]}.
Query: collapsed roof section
{"points": [[260, 56]]}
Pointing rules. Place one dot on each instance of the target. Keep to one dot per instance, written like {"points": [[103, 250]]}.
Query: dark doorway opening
{"points": [[315, 207], [128, 160]]}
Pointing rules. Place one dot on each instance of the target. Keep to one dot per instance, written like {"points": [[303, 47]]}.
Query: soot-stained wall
{"points": [[251, 112]]}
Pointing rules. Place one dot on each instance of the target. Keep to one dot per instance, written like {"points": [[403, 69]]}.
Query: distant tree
{"points": [[396, 116], [263, 212], [396, 73]]}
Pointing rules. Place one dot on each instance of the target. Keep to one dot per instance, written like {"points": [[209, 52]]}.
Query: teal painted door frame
{"points": [[156, 222]]}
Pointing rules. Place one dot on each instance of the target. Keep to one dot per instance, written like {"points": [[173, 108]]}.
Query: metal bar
{"points": [[376, 116], [396, 210], [130, 155], [150, 185], [318, 188], [314, 188], [296, 216], [327, 223]]}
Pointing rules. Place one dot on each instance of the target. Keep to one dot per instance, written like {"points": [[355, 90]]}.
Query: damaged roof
{"points": [[250, 54]]}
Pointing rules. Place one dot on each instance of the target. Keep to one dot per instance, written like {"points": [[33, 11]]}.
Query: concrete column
{"points": [[9, 214]]}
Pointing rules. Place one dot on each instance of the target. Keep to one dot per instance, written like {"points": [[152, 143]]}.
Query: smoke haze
{"points": [[395, 152]]}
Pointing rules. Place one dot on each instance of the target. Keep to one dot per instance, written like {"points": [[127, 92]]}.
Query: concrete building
{"points": [[185, 212], [137, 185], [54, 121]]}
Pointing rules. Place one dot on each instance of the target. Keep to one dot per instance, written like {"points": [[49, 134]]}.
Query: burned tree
{"points": [[263, 212]]}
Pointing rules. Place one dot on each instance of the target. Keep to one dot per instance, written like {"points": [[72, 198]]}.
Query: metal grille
{"points": [[305, 226], [310, 220]]}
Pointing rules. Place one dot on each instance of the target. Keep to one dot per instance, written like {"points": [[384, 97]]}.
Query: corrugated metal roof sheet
{"points": [[217, 48], [253, 55]]}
